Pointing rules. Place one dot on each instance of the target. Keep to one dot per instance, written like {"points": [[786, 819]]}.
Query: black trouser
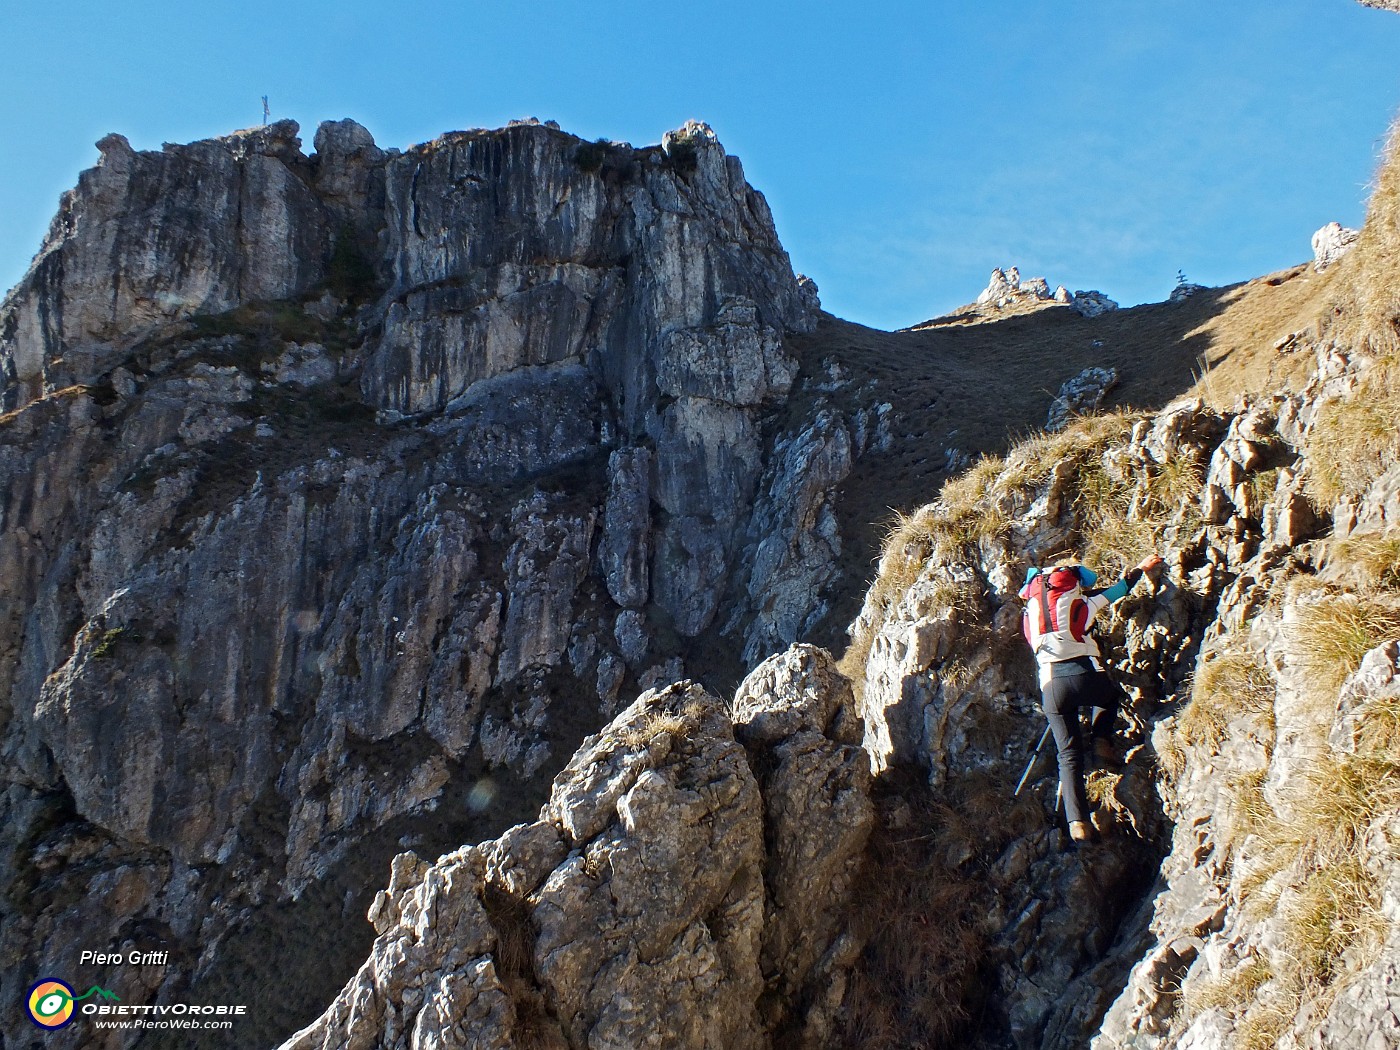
{"points": [[1062, 700]]}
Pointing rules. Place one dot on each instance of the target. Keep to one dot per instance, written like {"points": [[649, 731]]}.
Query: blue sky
{"points": [[906, 148]]}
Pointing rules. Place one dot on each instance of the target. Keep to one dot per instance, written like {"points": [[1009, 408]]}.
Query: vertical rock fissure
{"points": [[537, 1025]]}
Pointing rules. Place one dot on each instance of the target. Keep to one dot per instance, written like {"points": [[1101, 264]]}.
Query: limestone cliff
{"points": [[343, 494]]}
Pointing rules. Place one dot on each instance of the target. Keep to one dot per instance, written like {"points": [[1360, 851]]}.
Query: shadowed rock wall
{"points": [[342, 495]]}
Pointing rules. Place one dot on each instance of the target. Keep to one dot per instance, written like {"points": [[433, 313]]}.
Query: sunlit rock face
{"points": [[148, 238], [686, 885]]}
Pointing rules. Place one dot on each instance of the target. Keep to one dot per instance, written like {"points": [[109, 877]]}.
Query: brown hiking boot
{"points": [[1081, 831]]}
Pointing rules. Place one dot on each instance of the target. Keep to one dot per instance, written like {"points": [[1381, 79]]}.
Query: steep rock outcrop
{"points": [[1006, 287], [1330, 243], [947, 685], [1276, 921], [662, 898], [1092, 303], [1080, 394], [148, 238], [793, 539]]}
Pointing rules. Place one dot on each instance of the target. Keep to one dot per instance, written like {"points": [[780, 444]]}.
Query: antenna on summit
{"points": [[267, 113]]}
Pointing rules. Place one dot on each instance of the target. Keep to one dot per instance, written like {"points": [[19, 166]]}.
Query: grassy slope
{"points": [[980, 383], [1310, 861]]}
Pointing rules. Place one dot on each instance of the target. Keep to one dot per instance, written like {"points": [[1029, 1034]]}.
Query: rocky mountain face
{"points": [[348, 500], [344, 494], [580, 928], [948, 684]]}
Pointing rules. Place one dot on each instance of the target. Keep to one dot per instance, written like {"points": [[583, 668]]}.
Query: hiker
{"points": [[1061, 604]]}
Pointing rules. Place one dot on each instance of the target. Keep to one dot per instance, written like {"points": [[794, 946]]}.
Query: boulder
{"points": [[1080, 394], [1183, 291], [1092, 303], [1006, 287], [1330, 243], [631, 911]]}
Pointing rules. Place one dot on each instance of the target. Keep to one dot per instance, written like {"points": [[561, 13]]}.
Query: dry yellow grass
{"points": [[1328, 922], [1368, 285], [1262, 485], [1228, 993], [1082, 441], [1238, 355], [1308, 877], [1170, 756], [1367, 559], [1335, 631], [1336, 912], [1252, 811], [1326, 913], [1123, 513], [1357, 437], [1227, 683], [1263, 1027], [1101, 789], [1379, 730], [658, 722], [1324, 899], [972, 484]]}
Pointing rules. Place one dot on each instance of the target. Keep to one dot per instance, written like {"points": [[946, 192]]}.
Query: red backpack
{"points": [[1064, 614]]}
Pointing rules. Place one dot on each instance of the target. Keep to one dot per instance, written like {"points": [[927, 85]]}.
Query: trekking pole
{"points": [[1031, 764]]}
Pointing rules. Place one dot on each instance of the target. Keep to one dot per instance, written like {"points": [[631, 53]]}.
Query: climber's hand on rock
{"points": [[1149, 563]]}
